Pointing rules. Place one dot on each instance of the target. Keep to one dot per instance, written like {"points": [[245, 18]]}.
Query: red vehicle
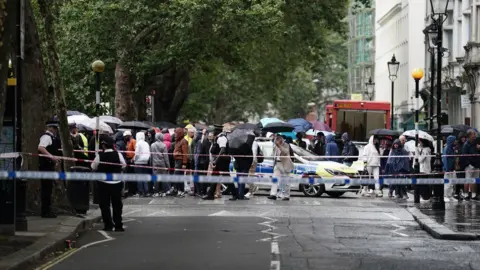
{"points": [[351, 116]]}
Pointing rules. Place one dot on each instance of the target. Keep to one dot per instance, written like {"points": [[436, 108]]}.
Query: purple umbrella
{"points": [[317, 125]]}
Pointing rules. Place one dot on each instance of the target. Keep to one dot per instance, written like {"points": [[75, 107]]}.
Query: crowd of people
{"points": [[206, 152]]}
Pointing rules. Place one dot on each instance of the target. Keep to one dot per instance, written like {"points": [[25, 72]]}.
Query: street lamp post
{"points": [[393, 66], [430, 35], [98, 67], [438, 20], [417, 75], [370, 89]]}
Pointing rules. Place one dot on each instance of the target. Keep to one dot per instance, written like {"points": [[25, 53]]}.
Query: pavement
{"points": [[45, 236], [304, 233]]}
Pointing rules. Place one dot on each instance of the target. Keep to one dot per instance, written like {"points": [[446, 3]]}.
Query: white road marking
{"points": [[400, 228], [264, 214], [105, 234], [391, 216], [275, 249], [126, 220], [316, 203], [275, 265], [222, 213], [132, 212]]}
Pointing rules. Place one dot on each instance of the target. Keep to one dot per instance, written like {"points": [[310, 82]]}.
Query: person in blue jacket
{"points": [[448, 161], [332, 149]]}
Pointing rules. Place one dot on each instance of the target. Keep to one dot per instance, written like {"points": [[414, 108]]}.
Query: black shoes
{"points": [[119, 229], [209, 198], [107, 229], [272, 197]]}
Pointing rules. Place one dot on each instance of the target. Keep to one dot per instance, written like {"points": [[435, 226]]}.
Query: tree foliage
{"points": [[204, 57]]}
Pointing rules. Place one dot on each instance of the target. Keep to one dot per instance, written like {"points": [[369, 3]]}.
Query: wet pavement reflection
{"points": [[457, 216]]}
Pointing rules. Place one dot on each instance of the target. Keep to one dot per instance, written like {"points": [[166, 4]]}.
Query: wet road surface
{"points": [[304, 233]]}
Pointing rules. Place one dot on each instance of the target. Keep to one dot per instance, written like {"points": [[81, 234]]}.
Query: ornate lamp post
{"points": [[393, 66], [438, 17], [98, 67], [370, 89], [417, 75]]}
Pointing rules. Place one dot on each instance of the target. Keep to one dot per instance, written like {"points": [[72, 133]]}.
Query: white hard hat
{"points": [[127, 133]]}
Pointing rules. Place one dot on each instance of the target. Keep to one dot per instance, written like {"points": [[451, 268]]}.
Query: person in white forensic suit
{"points": [[282, 166]]}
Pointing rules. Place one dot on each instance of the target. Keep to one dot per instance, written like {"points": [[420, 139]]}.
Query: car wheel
{"points": [[312, 190], [335, 194]]}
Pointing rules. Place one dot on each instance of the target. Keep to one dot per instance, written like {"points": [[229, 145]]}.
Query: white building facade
{"points": [[399, 25], [460, 63]]}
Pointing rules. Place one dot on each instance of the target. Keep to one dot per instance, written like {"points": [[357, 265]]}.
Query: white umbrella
{"points": [[78, 119], [410, 146], [421, 134], [90, 122], [312, 132], [111, 119]]}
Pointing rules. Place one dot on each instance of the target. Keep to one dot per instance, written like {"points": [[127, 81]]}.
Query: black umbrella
{"points": [[278, 127], [454, 129], [137, 125], [384, 132], [240, 142], [247, 126], [163, 124]]}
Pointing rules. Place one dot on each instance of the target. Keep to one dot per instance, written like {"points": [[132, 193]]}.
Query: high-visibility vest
{"points": [[85, 143]]}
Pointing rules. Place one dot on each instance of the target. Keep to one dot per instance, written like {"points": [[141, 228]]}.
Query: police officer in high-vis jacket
{"points": [[48, 148]]}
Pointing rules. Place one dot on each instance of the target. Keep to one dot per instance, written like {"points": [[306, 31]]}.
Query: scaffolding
{"points": [[361, 47]]}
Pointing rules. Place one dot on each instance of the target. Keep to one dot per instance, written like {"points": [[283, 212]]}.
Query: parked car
{"points": [[308, 164]]}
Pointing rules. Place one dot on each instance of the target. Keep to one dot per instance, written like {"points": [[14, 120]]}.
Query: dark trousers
{"points": [[46, 190], [111, 194], [142, 187], [131, 185], [240, 192], [180, 187], [46, 187]]}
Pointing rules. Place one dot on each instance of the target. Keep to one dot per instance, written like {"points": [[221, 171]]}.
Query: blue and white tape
{"points": [[82, 176]]}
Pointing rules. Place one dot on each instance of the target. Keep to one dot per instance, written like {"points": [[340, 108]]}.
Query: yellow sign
{"points": [[356, 97], [12, 82], [344, 105]]}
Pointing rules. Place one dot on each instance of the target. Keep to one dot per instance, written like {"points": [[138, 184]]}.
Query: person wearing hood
{"points": [[141, 159], [180, 155], [470, 162], [331, 150], [398, 164], [350, 151], [448, 161], [319, 145], [371, 158], [160, 162], [167, 138]]}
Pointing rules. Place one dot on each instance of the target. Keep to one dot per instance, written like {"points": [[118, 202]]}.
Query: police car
{"points": [[307, 164]]}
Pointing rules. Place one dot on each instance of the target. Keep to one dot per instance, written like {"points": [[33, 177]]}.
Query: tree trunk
{"points": [[7, 30], [54, 71], [125, 108], [171, 89], [36, 102]]}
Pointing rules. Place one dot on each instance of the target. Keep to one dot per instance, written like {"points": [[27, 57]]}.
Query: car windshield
{"points": [[305, 154]]}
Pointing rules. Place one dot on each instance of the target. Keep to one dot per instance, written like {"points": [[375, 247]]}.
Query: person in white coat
{"points": [[371, 158], [141, 161]]}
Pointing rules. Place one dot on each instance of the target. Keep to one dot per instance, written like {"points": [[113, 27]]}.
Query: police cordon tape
{"points": [[411, 155], [213, 172], [82, 176]]}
